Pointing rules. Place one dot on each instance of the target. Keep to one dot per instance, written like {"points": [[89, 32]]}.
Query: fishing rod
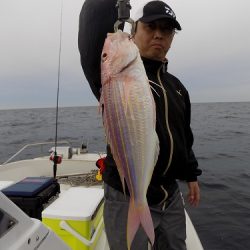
{"points": [[124, 8], [55, 158]]}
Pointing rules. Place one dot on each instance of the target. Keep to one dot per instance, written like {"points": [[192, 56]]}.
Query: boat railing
{"points": [[33, 145]]}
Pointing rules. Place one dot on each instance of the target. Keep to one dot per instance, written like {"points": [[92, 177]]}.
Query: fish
{"points": [[129, 118]]}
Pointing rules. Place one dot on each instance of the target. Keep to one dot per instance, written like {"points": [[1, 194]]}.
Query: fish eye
{"points": [[104, 56]]}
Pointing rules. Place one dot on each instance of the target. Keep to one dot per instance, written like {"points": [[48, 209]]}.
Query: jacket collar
{"points": [[153, 65]]}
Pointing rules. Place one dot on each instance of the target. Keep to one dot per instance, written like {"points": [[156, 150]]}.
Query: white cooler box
{"points": [[76, 217]]}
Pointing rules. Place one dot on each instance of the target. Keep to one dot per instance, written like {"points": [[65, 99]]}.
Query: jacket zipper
{"points": [[170, 136], [167, 123]]}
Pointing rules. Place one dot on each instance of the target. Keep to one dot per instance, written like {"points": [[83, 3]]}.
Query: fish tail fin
{"points": [[147, 223], [136, 216], [133, 223]]}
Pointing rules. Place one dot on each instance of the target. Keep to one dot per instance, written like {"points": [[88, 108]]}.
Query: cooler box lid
{"points": [[28, 187], [77, 203]]}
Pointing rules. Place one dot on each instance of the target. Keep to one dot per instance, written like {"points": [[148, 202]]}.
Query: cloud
{"points": [[210, 55]]}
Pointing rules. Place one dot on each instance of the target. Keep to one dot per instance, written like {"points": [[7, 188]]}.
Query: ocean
{"points": [[222, 147]]}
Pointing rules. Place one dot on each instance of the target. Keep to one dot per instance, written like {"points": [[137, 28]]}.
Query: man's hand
{"points": [[194, 193]]}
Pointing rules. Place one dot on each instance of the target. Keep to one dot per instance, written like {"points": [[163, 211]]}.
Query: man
{"points": [[155, 30]]}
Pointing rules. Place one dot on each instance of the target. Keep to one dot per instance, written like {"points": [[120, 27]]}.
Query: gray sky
{"points": [[211, 55]]}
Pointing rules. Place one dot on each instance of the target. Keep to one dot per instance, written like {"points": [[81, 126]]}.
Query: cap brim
{"points": [[157, 17]]}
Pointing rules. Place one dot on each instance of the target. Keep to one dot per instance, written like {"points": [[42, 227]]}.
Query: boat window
{"points": [[6, 222]]}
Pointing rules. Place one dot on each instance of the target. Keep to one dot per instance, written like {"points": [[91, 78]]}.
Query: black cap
{"points": [[155, 10]]}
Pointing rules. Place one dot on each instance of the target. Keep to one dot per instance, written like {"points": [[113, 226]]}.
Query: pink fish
{"points": [[129, 120]]}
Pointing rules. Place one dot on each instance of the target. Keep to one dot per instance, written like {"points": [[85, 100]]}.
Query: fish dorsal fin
{"points": [[157, 148], [101, 103]]}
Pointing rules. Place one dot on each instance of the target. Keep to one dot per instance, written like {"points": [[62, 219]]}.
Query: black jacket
{"points": [[173, 112]]}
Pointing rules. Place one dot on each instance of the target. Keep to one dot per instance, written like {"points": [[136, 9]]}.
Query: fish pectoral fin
{"points": [[126, 100], [136, 216]]}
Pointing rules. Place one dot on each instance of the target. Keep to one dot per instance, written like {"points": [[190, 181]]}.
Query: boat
{"points": [[60, 205], [79, 189]]}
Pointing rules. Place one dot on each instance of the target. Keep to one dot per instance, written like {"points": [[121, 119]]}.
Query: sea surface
{"points": [[222, 146]]}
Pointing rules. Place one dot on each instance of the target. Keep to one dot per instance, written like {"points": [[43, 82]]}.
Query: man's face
{"points": [[154, 39]]}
